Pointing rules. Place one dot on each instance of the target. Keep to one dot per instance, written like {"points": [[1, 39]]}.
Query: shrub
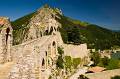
{"points": [[74, 35], [113, 64], [104, 62], [82, 77], [60, 62], [95, 57], [116, 77], [60, 51], [68, 62], [76, 62]]}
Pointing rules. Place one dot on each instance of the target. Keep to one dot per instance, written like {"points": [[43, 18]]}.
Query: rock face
{"points": [[43, 23], [5, 39]]}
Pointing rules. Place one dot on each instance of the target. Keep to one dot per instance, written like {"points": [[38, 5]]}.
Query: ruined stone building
{"points": [[5, 39], [35, 57]]}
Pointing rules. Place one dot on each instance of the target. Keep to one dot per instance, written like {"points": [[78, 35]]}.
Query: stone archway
{"points": [[46, 32], [54, 46], [51, 30], [43, 62], [53, 43], [7, 34]]}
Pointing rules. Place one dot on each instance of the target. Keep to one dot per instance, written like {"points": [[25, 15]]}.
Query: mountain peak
{"points": [[3, 20], [49, 10], [46, 6]]}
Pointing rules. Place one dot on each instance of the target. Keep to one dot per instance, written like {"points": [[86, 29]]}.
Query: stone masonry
{"points": [[5, 39], [36, 56]]}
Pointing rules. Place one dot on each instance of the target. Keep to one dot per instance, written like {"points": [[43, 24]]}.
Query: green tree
{"points": [[68, 62], [116, 77], [60, 62], [113, 64], [95, 57], [74, 35], [104, 62], [60, 50]]}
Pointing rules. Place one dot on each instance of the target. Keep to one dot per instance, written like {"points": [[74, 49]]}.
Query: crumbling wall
{"points": [[5, 39], [32, 58]]}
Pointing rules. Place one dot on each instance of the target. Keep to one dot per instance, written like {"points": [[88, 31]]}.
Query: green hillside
{"points": [[73, 32], [20, 28], [94, 35]]}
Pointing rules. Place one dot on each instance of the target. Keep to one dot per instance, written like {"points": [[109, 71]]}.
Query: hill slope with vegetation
{"points": [[76, 32], [20, 28], [73, 32]]}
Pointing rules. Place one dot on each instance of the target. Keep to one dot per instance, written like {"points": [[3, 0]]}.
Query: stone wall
{"points": [[43, 23], [76, 51], [5, 39], [34, 58]]}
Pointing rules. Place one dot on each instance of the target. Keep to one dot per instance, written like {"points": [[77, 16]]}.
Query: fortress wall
{"points": [[5, 39], [30, 56], [76, 51], [28, 47], [25, 48]]}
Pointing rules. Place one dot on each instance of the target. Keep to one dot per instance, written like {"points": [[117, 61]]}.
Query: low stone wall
{"points": [[104, 75], [76, 51]]}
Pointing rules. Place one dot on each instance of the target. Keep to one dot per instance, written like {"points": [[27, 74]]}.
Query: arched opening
{"points": [[40, 33], [7, 34], [51, 30], [53, 49], [46, 53], [55, 29], [58, 28], [53, 43], [52, 16], [46, 32], [43, 62]]}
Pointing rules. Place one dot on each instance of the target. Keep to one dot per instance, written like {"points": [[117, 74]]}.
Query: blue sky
{"points": [[102, 12]]}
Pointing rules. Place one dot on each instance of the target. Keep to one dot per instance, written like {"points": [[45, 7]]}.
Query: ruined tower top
{"points": [[5, 26], [3, 20]]}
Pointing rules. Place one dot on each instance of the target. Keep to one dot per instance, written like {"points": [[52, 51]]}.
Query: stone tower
{"points": [[5, 40]]}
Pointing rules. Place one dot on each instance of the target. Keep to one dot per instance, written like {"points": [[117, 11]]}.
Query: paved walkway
{"points": [[5, 69], [78, 72], [104, 75]]}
